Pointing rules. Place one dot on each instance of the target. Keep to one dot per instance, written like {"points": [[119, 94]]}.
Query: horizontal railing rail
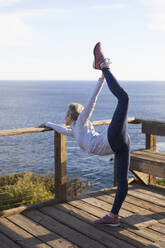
{"points": [[28, 130]]}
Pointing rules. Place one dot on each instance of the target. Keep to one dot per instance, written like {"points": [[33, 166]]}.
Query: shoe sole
{"points": [[106, 224], [94, 62], [113, 225]]}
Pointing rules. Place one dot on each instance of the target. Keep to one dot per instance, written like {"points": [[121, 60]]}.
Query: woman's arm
{"points": [[88, 110], [59, 128]]}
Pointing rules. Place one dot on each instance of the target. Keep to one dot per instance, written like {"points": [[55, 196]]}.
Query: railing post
{"points": [[60, 166], [151, 141]]}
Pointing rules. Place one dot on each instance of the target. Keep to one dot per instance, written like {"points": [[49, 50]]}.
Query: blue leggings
{"points": [[119, 139]]}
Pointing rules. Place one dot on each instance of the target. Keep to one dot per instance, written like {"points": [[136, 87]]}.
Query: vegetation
{"points": [[28, 188], [160, 181]]}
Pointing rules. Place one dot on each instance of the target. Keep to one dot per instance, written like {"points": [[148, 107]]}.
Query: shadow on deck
{"points": [[70, 224]]}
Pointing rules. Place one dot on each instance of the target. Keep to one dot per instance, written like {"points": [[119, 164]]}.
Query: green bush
{"points": [[28, 188], [24, 188], [160, 181]]}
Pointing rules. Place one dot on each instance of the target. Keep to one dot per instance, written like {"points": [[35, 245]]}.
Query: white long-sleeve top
{"points": [[83, 130]]}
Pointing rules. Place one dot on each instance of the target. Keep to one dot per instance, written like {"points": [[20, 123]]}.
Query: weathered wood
{"points": [[151, 141], [118, 232], [129, 218], [41, 232], [71, 224], [146, 205], [63, 230], [151, 193], [19, 131], [143, 217], [84, 227], [153, 127], [131, 120], [149, 162], [18, 210], [20, 236], [7, 243], [142, 177], [95, 209], [23, 131], [60, 166], [158, 227], [147, 198]]}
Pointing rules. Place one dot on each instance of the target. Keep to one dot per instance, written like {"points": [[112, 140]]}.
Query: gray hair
{"points": [[74, 109]]}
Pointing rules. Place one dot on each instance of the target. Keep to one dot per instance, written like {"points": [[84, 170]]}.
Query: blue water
{"points": [[29, 103]]}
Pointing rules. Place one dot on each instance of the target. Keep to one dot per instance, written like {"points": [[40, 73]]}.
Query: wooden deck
{"points": [[71, 224]]}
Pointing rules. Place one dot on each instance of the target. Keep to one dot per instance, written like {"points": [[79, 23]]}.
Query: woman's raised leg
{"points": [[119, 139]]}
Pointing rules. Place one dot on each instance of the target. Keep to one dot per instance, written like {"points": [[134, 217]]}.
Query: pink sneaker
{"points": [[98, 56], [108, 220]]}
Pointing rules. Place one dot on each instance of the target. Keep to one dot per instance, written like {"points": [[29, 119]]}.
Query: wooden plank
{"points": [[146, 166], [126, 205], [146, 205], [20, 236], [156, 188], [118, 232], [135, 220], [72, 235], [7, 243], [160, 211], [40, 232], [149, 155], [85, 205], [147, 198], [18, 210], [38, 130], [126, 221], [158, 228], [60, 166], [151, 193], [23, 131], [107, 122], [142, 177], [84, 227], [96, 211], [151, 141], [153, 188], [153, 127], [138, 217]]}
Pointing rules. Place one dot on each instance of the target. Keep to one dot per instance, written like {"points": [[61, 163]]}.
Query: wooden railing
{"points": [[60, 152]]}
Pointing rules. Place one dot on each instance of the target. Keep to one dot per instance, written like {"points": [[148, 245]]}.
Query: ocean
{"points": [[26, 104]]}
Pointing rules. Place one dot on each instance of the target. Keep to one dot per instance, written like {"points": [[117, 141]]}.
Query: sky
{"points": [[54, 40]]}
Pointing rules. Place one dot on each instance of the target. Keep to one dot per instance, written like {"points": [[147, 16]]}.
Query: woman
{"points": [[114, 139]]}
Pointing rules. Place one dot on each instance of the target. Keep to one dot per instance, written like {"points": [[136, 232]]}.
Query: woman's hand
{"points": [[42, 125]]}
